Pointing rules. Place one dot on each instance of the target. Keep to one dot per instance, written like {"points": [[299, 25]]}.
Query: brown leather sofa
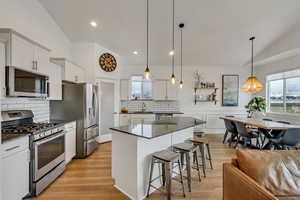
{"points": [[262, 175]]}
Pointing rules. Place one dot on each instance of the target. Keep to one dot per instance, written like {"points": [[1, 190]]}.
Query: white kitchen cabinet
{"points": [[124, 89], [70, 141], [71, 72], [15, 169], [124, 119], [171, 91], [24, 53], [55, 82], [163, 89], [42, 60], [2, 70], [160, 89]]}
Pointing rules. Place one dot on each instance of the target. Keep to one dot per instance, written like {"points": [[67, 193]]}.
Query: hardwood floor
{"points": [[90, 179]]}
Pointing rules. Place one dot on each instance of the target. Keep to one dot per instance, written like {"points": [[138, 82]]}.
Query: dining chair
{"points": [[246, 135], [271, 134], [266, 119], [230, 128], [289, 139], [283, 122]]}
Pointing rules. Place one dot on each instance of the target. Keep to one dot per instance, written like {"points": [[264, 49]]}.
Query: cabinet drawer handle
{"points": [[12, 148]]}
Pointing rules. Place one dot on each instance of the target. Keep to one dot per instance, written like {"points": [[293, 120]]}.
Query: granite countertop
{"points": [[151, 129], [8, 137], [153, 112]]}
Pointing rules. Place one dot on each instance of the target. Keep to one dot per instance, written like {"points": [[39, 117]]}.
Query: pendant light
{"points": [[147, 70], [252, 84], [172, 52], [181, 28]]}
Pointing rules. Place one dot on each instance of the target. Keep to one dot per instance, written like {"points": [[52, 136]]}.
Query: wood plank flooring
{"points": [[90, 179]]}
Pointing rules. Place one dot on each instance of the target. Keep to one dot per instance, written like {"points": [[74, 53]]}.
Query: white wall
{"points": [[31, 19], [206, 111], [87, 55]]}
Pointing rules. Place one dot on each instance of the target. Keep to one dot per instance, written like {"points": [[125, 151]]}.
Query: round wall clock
{"points": [[107, 62]]}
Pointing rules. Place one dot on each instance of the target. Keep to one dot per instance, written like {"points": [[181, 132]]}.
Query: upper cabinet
{"points": [[164, 90], [125, 89], [71, 72], [160, 89], [55, 82], [23, 53]]}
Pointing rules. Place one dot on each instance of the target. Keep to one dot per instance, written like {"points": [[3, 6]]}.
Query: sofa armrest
{"points": [[239, 186]]}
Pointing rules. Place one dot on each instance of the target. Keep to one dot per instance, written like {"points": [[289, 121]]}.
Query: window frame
{"points": [[268, 101], [143, 80]]}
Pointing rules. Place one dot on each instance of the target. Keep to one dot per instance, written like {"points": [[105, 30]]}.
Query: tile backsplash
{"points": [[134, 106], [40, 107]]}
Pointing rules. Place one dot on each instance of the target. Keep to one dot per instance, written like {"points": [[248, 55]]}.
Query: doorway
{"points": [[107, 108]]}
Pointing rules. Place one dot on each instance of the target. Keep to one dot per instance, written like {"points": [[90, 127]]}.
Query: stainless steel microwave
{"points": [[22, 83]]}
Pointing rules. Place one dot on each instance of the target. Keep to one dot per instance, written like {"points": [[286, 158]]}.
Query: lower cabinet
{"points": [[70, 141], [15, 169]]}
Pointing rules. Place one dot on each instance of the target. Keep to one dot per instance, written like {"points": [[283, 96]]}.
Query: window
{"points": [[141, 88], [283, 92]]}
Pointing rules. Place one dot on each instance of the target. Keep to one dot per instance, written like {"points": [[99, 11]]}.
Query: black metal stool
{"points": [[185, 149], [202, 143], [166, 158]]}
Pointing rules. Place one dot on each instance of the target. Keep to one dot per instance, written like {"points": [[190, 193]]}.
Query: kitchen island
{"points": [[133, 145]]}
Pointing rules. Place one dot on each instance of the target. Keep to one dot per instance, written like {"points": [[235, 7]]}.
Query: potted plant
{"points": [[257, 104]]}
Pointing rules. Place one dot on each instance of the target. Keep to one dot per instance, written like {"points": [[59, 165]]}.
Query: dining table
{"points": [[267, 125]]}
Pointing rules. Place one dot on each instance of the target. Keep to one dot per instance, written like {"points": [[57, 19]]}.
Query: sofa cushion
{"points": [[277, 171], [289, 198]]}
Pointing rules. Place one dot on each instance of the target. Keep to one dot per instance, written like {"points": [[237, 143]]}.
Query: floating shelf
{"points": [[196, 101], [215, 91]]}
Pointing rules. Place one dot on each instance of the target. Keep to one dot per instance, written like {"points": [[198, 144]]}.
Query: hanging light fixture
{"points": [[147, 70], [252, 84], [181, 82], [172, 52]]}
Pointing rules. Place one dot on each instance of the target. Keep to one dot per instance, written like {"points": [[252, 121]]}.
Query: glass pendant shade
{"points": [[173, 80], [147, 73], [181, 84], [252, 85]]}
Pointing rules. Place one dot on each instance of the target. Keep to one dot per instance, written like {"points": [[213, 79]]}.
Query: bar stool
{"points": [[202, 143], [185, 149], [166, 158]]}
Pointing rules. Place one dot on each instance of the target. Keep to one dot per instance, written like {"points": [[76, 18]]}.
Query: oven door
{"points": [[24, 83], [48, 152]]}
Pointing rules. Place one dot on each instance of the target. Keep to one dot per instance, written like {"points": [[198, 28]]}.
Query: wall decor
{"points": [[107, 62], [230, 90]]}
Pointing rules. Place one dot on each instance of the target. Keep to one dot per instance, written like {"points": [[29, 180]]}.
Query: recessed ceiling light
{"points": [[93, 24], [135, 53]]}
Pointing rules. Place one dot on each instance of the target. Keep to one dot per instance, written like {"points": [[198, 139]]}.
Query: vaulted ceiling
{"points": [[216, 31]]}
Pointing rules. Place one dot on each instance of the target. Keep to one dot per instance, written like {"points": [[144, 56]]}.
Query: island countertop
{"points": [[154, 128]]}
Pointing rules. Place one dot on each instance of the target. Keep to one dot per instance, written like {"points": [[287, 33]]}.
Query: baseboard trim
{"points": [[104, 138], [125, 193]]}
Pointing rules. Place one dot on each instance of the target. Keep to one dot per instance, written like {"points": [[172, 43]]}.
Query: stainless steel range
{"points": [[47, 146]]}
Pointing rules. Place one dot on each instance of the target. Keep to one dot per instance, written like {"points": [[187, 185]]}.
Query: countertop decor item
{"points": [[108, 62], [257, 104], [230, 90], [252, 84]]}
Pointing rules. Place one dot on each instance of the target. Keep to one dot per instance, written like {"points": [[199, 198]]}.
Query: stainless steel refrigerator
{"points": [[80, 103]]}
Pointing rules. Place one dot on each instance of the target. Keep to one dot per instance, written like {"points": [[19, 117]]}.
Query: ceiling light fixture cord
{"points": [[147, 33], [181, 53], [252, 38], [173, 36]]}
